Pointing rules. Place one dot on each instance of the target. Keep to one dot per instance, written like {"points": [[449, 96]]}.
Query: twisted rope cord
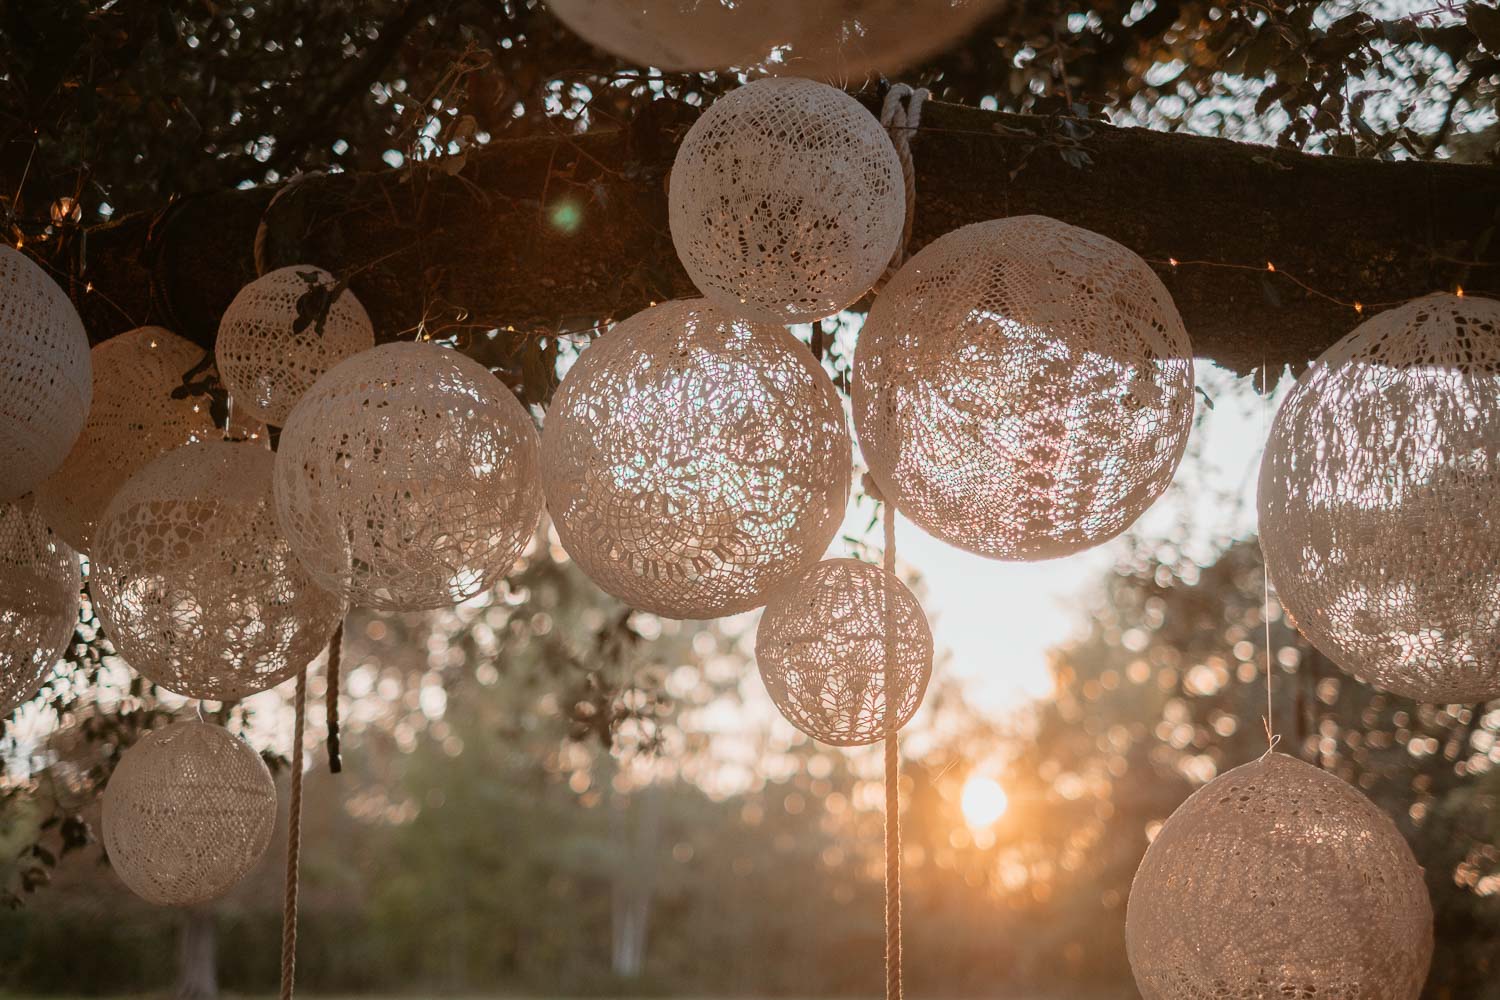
{"points": [[901, 116], [293, 846], [892, 780], [331, 701]]}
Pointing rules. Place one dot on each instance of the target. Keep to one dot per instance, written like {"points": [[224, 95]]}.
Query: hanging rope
{"points": [[892, 781], [331, 702], [901, 115], [293, 846]]}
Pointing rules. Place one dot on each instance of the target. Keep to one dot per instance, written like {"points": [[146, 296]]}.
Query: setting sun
{"points": [[983, 802]]}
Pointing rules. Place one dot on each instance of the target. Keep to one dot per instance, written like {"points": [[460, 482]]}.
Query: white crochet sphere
{"points": [[407, 478], [786, 201], [1380, 501], [44, 374], [822, 652], [195, 584], [133, 420], [1279, 881], [39, 584], [694, 459], [1023, 388], [269, 353], [187, 813]]}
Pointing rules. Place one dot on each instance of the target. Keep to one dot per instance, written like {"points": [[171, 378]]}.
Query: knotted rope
{"points": [[331, 701], [901, 116], [293, 845], [892, 781]]}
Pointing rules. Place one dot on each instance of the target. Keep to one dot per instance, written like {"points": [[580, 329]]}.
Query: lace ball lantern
{"points": [[693, 460], [194, 582], [1380, 501], [1279, 880], [44, 374], [786, 201], [281, 333], [188, 812], [1023, 388], [829, 639], [39, 584], [407, 478]]}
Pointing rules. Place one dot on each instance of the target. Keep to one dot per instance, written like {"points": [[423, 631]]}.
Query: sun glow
{"points": [[983, 802]]}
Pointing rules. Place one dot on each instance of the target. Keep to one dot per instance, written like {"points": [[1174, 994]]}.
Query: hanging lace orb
{"points": [[822, 652], [693, 460], [187, 813], [133, 419], [407, 478], [44, 374], [1278, 880], [39, 584], [195, 584], [281, 333], [1380, 501], [786, 201], [1023, 388]]}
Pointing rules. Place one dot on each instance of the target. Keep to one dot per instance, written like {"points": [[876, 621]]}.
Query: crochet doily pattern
{"points": [[39, 584]]}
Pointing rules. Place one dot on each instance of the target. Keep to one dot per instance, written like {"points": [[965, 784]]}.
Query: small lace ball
{"points": [[45, 383], [786, 201], [407, 478], [195, 584], [1023, 388], [39, 584], [188, 812], [1279, 880], [822, 652], [133, 420], [695, 459], [281, 333], [1380, 501]]}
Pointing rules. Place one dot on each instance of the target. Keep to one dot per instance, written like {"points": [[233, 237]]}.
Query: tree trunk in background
{"points": [[197, 958], [636, 823]]}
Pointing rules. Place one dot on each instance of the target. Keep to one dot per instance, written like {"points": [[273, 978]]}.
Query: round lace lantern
{"points": [[187, 813], [133, 419], [1279, 880], [39, 584], [1380, 501], [279, 335], [194, 583], [693, 460], [786, 201], [823, 654], [407, 478], [1023, 388], [44, 374]]}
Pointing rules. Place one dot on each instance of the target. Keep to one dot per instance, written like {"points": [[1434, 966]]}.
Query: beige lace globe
{"points": [[786, 201], [39, 584], [195, 584], [133, 420], [1279, 881], [268, 356], [822, 652], [44, 374], [187, 813], [693, 460], [1379, 499], [1023, 388], [407, 478]]}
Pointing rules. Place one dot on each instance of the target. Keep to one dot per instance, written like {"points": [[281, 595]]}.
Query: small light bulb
{"points": [[1270, 267], [1172, 261], [1359, 308]]}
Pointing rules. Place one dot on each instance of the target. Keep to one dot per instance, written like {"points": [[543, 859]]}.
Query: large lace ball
{"points": [[1023, 388], [786, 201], [133, 420], [407, 478], [39, 584], [1380, 501], [281, 333], [44, 374], [695, 459], [845, 652], [195, 584], [1275, 881], [188, 812]]}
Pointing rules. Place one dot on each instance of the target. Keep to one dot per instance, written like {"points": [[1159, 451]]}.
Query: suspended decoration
{"points": [[1279, 880], [39, 585], [195, 584], [694, 459], [44, 374], [407, 478], [1023, 388], [787, 201], [1379, 493], [842, 646], [187, 813], [281, 333]]}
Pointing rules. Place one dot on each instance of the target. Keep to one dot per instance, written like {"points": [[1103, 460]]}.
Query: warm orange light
{"points": [[983, 802]]}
